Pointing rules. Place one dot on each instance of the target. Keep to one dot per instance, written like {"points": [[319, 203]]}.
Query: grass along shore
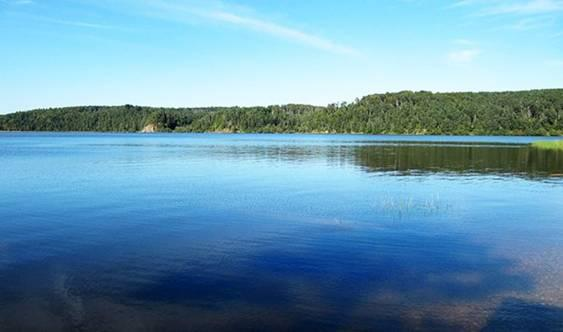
{"points": [[548, 145]]}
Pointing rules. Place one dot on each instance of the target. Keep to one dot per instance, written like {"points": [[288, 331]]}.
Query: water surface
{"points": [[122, 232]]}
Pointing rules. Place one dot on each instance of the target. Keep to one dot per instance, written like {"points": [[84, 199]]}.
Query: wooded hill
{"points": [[536, 112]]}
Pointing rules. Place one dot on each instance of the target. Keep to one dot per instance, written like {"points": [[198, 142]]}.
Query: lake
{"points": [[211, 232]]}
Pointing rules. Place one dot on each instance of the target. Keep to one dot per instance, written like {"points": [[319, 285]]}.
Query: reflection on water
{"points": [[469, 158], [289, 232]]}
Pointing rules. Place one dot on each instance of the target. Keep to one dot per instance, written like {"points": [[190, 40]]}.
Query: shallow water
{"points": [[279, 232]]}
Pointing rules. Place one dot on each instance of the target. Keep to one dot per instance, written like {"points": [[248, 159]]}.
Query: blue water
{"points": [[123, 232]]}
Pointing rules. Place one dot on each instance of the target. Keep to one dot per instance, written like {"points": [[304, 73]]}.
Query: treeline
{"points": [[537, 112]]}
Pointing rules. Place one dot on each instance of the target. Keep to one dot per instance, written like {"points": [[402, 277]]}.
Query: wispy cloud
{"points": [[80, 24], [24, 13], [464, 55], [516, 15], [463, 42], [223, 13], [525, 7], [193, 11], [281, 31], [530, 23], [17, 2], [463, 3], [516, 7], [465, 51]]}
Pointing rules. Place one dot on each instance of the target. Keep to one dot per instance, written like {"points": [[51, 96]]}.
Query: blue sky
{"points": [[261, 52]]}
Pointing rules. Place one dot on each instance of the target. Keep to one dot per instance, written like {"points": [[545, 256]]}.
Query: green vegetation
{"points": [[548, 145], [537, 112]]}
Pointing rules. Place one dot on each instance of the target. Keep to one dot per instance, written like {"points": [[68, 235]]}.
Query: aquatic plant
{"points": [[548, 145], [402, 206]]}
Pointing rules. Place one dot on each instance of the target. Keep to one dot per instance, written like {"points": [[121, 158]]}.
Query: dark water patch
{"points": [[331, 277], [469, 159], [518, 315]]}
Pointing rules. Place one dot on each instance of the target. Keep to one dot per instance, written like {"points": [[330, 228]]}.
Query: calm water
{"points": [[104, 232]]}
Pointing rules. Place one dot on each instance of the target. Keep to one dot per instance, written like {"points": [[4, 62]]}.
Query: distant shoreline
{"points": [[522, 113], [273, 133]]}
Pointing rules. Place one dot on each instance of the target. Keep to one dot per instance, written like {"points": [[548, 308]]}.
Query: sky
{"points": [[261, 52]]}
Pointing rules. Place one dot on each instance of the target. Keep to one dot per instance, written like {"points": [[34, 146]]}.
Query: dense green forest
{"points": [[536, 112]]}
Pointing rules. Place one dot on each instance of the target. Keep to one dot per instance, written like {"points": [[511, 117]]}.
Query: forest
{"points": [[535, 112]]}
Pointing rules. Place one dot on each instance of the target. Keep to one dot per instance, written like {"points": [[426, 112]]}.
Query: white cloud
{"points": [[530, 23], [515, 7], [464, 55], [80, 24], [221, 12], [17, 2], [462, 3], [190, 11], [526, 7], [281, 31], [516, 15], [463, 42]]}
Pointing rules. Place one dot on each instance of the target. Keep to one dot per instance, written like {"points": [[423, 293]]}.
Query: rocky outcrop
{"points": [[150, 128]]}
